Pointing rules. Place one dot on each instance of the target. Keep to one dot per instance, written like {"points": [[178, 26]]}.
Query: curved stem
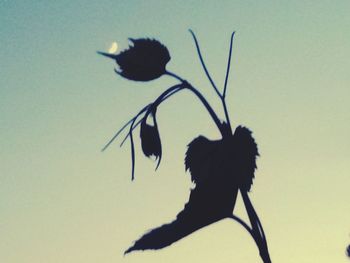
{"points": [[244, 224], [159, 156], [161, 98], [226, 114], [169, 73], [223, 97], [116, 135], [132, 151], [203, 64], [253, 213], [257, 228], [122, 128], [209, 108], [202, 99], [133, 128], [228, 66], [166, 94]]}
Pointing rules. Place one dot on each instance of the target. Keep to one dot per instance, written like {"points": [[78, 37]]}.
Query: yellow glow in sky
{"points": [[113, 49]]}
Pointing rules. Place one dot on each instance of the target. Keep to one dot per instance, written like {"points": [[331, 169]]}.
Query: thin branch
{"points": [[228, 66], [203, 64], [163, 98], [132, 151], [169, 73], [225, 85], [127, 136], [248, 203], [244, 224], [122, 128], [202, 99], [250, 213], [227, 117], [116, 135], [160, 153], [166, 94], [208, 107], [130, 134], [257, 228]]}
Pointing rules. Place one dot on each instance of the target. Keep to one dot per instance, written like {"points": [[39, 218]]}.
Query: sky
{"points": [[62, 200]]}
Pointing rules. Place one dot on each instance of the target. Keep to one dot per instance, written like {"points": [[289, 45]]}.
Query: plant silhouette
{"points": [[219, 169]]}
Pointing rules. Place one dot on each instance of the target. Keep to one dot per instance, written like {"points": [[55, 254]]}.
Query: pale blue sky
{"points": [[62, 200]]}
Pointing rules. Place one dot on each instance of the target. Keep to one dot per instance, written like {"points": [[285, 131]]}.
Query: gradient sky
{"points": [[62, 200]]}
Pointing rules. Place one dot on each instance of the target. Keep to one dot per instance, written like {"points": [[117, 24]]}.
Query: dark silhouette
{"points": [[144, 61], [348, 251], [150, 139], [220, 169]]}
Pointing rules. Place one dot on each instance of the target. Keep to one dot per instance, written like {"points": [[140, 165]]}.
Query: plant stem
{"points": [[226, 114], [122, 128], [223, 97], [244, 224], [199, 95], [132, 151], [257, 228], [203, 64], [169, 73], [228, 66], [165, 95]]}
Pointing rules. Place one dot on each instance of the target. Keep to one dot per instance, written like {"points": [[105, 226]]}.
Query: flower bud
{"points": [[144, 60]]}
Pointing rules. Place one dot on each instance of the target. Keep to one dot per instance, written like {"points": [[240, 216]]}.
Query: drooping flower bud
{"points": [[150, 139]]}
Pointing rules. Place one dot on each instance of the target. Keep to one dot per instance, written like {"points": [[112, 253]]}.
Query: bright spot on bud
{"points": [[113, 48]]}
